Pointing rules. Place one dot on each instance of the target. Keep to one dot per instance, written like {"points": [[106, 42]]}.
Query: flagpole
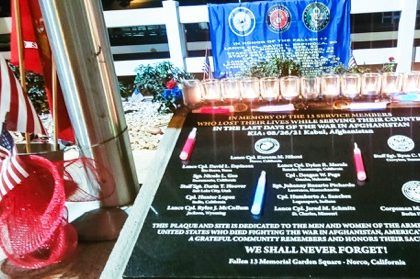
{"points": [[205, 61], [22, 72], [54, 104], [210, 71]]}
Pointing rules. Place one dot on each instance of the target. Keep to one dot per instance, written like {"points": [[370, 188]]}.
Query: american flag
{"points": [[12, 169], [21, 115], [352, 62], [207, 73]]}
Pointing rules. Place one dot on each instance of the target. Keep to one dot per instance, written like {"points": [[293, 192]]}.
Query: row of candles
{"points": [[349, 85]]}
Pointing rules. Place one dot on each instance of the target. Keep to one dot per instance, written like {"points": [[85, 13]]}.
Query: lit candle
{"points": [[310, 87], [289, 87], [411, 82], [191, 92], [230, 89], [270, 88], [212, 90], [371, 84], [391, 83], [330, 86], [350, 85], [330, 90], [250, 89]]}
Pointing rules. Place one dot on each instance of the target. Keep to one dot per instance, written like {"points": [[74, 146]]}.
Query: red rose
{"points": [[170, 84]]}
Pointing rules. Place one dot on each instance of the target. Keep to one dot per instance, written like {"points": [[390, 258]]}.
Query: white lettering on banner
{"points": [[29, 44]]}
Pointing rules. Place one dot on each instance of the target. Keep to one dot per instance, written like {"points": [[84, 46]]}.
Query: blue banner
{"points": [[315, 34]]}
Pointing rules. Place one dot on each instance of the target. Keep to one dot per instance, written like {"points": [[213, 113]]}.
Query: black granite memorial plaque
{"points": [[317, 219]]}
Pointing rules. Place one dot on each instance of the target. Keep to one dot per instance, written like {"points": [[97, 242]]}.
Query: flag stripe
{"points": [[12, 169], [5, 90], [207, 73], [21, 115], [352, 62], [14, 107], [13, 175], [24, 121], [17, 163], [2, 190], [6, 182]]}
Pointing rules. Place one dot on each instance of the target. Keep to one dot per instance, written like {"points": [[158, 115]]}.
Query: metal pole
{"points": [[81, 50], [54, 87], [22, 70]]}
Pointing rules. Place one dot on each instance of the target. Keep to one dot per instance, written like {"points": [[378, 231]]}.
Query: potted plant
{"points": [[161, 82], [276, 66], [390, 66]]}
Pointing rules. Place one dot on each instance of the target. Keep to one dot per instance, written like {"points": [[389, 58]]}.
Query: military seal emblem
{"points": [[267, 145], [411, 190], [278, 19], [316, 16], [241, 21], [401, 143]]}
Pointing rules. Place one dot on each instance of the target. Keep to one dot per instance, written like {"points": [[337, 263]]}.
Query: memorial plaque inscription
{"points": [[273, 195]]}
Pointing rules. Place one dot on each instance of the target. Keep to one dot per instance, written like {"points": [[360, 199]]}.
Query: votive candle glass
{"points": [[230, 89], [371, 84], [212, 90], [191, 92], [310, 87], [289, 87], [350, 85], [270, 88], [391, 83], [330, 86], [411, 82], [250, 89]]}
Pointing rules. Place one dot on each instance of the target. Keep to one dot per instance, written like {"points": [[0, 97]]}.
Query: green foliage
{"points": [[341, 69], [36, 90], [274, 67], [126, 89], [153, 80], [390, 66]]}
